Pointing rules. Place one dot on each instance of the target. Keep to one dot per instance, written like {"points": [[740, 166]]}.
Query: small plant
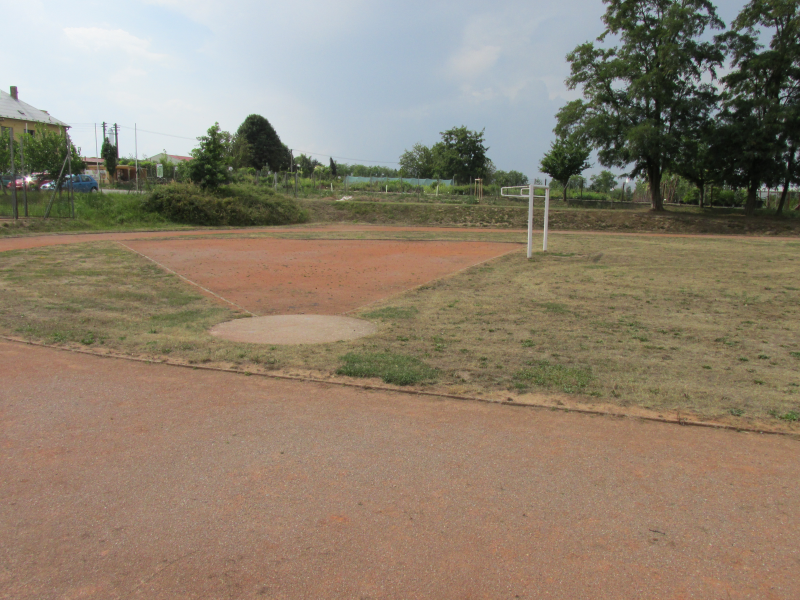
{"points": [[736, 412], [708, 367], [88, 339], [758, 382], [743, 359], [763, 357], [794, 354], [528, 344], [790, 416]]}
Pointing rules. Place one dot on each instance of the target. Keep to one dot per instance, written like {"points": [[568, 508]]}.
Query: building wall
{"points": [[19, 126]]}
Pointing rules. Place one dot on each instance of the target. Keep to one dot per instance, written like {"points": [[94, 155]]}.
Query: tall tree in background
{"points": [[603, 182], [461, 153], [417, 162], [109, 155], [641, 95], [265, 146], [209, 167], [333, 168], [759, 103], [567, 158]]}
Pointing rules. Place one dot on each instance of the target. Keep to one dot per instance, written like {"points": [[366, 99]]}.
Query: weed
{"points": [[528, 343], [392, 368], [794, 354], [763, 357], [707, 367], [736, 412]]}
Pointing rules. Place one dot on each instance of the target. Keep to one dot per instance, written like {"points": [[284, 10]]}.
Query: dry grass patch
{"points": [[707, 326]]}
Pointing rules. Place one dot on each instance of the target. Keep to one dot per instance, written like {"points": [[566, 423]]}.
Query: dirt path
{"points": [[129, 480], [55, 239]]}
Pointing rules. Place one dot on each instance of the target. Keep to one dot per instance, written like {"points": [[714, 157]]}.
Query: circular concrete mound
{"points": [[293, 329]]}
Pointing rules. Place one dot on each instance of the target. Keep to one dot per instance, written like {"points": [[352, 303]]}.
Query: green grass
{"points": [[544, 374], [392, 312], [396, 369]]}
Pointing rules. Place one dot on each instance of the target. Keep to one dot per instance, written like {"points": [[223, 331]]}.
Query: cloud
{"points": [[94, 39], [472, 62]]}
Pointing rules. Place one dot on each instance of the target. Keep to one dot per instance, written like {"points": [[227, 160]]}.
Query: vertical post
{"points": [[97, 154], [530, 220], [13, 175], [71, 182], [136, 150], [116, 139], [546, 217], [22, 166]]}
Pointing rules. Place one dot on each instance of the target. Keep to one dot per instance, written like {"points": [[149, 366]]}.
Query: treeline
{"points": [[42, 152], [656, 105]]}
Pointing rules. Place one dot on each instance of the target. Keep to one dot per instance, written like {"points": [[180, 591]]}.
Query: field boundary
{"points": [[187, 280], [678, 420]]}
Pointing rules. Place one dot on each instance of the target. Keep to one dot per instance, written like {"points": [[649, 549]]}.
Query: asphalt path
{"points": [[122, 479]]}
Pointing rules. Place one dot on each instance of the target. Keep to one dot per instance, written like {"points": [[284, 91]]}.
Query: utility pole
{"points": [[104, 131], [116, 138], [24, 179]]}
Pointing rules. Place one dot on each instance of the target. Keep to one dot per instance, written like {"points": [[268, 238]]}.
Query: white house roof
{"points": [[17, 109]]}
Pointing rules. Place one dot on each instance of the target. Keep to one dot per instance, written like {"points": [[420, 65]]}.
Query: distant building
{"points": [[20, 117], [167, 159]]}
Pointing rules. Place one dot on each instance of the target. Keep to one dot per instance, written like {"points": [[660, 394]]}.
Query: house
{"points": [[168, 159], [20, 117], [96, 168]]}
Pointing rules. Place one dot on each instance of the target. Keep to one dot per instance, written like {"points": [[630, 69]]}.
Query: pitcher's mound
{"points": [[293, 329]]}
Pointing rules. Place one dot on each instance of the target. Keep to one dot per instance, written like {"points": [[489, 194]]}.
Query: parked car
{"points": [[79, 183], [47, 184], [20, 183], [83, 183]]}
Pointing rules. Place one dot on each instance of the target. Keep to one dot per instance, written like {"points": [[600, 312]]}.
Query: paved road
{"points": [[127, 480]]}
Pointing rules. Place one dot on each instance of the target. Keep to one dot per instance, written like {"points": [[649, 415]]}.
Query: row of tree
{"points": [[461, 154], [42, 152], [654, 104]]}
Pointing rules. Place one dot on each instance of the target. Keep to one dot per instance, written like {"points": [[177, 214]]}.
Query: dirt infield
{"points": [[129, 480], [294, 329], [270, 277]]}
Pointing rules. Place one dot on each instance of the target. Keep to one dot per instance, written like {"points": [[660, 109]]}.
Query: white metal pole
{"points": [[136, 150], [97, 164], [530, 220], [546, 216]]}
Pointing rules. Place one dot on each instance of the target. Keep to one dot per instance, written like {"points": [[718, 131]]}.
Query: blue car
{"points": [[82, 183]]}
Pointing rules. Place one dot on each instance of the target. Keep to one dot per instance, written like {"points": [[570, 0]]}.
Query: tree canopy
{"points": [[567, 158], [209, 167], [264, 146], [641, 95], [461, 153]]}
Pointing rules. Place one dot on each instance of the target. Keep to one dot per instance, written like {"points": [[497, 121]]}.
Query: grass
{"points": [[696, 325], [391, 368]]}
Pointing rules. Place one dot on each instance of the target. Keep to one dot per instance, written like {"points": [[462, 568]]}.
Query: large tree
{"points": [[265, 146], [759, 117], [461, 153], [567, 157], [640, 95], [209, 167], [417, 162]]}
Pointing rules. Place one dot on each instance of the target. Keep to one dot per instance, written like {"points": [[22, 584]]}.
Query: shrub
{"points": [[238, 205]]}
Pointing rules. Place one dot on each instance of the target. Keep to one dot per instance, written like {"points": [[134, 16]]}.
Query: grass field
{"points": [[705, 326]]}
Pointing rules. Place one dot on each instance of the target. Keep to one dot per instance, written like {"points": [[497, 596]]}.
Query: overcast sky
{"points": [[357, 80]]}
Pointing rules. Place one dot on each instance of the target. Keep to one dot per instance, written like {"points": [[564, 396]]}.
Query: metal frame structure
{"points": [[530, 192]]}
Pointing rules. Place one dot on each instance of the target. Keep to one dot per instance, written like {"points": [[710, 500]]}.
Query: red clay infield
{"points": [[328, 277]]}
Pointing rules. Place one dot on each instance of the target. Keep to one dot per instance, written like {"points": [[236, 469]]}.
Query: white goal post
{"points": [[521, 191]]}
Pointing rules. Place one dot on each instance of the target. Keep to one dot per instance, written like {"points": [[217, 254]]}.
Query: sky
{"points": [[357, 80]]}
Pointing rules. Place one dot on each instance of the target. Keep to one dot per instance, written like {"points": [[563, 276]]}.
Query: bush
{"points": [[238, 205]]}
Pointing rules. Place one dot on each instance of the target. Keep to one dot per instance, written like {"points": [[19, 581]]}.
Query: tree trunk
{"points": [[702, 195], [565, 192], [657, 201], [752, 199], [789, 170]]}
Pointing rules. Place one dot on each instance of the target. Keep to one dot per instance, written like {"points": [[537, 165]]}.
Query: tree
{"points": [[417, 162], [109, 154], [209, 167], [603, 182], [567, 157], [266, 148], [333, 168], [306, 165], [759, 103], [640, 96], [510, 178], [461, 153]]}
